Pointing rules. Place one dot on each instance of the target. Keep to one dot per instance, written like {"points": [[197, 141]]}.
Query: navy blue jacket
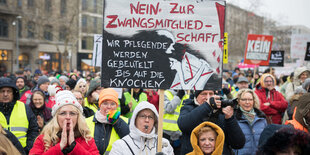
{"points": [[192, 115]]}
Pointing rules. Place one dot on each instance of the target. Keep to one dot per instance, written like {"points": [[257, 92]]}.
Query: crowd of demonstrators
{"points": [[95, 119]]}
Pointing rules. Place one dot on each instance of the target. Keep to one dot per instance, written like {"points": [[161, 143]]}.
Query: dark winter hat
{"points": [[71, 83], [242, 79], [19, 77], [42, 79], [93, 85], [284, 138], [38, 71], [268, 132], [197, 92], [7, 82]]}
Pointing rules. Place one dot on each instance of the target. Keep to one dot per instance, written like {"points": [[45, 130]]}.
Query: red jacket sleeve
{"points": [[268, 110], [279, 103], [82, 147], [38, 148], [23, 98]]}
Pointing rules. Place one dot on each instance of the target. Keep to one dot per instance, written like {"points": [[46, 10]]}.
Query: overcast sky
{"points": [[287, 12]]}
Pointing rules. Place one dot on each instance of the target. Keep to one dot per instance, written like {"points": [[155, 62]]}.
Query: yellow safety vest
{"points": [[142, 97], [90, 106], [18, 122], [170, 120], [114, 136]]}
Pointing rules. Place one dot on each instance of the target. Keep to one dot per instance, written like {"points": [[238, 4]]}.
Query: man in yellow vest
{"points": [[129, 102], [92, 95], [105, 126], [172, 106], [15, 116]]}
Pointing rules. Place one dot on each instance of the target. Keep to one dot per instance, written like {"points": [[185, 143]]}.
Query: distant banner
{"points": [[307, 57], [276, 59], [97, 51], [258, 49], [225, 54], [299, 45], [159, 44]]}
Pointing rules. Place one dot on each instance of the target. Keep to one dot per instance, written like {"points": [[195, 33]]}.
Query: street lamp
{"points": [[16, 23]]}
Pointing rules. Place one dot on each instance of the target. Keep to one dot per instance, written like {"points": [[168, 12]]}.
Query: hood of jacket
{"points": [[219, 143], [297, 73], [146, 140], [264, 76]]}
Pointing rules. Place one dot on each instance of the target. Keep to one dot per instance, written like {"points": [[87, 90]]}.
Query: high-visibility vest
{"points": [[170, 120], [142, 97], [18, 122], [113, 137], [90, 106]]}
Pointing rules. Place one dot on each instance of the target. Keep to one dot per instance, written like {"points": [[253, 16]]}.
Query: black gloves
{"points": [[181, 93]]}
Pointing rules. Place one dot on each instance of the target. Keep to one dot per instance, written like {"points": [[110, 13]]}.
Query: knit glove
{"points": [[113, 116]]}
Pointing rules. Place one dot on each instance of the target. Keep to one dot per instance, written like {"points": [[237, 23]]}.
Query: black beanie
{"points": [[71, 83], [197, 92]]}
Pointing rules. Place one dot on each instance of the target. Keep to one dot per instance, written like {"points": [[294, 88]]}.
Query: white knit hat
{"points": [[65, 97]]}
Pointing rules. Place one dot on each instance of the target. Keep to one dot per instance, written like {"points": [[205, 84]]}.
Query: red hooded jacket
{"points": [[277, 106]]}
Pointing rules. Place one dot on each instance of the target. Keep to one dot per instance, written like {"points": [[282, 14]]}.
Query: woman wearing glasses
{"points": [[272, 102], [67, 132], [106, 125], [142, 138], [251, 120]]}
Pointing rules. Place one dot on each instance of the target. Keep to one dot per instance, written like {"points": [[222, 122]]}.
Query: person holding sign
{"points": [[142, 139], [201, 109], [106, 126], [129, 102]]}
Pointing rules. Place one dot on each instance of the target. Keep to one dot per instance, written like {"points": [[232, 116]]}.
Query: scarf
{"points": [[7, 108], [101, 118], [248, 115]]}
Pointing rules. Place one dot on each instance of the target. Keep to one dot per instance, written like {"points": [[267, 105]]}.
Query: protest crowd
{"points": [[61, 113]]}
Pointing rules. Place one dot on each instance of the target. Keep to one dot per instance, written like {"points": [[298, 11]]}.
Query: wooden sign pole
{"points": [[160, 120]]}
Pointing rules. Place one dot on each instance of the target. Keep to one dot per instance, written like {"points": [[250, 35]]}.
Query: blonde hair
{"points": [[6, 146], [255, 97], [51, 129], [77, 87], [206, 129]]}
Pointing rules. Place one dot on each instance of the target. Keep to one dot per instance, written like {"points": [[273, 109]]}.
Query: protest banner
{"points": [[225, 54], [276, 58], [307, 56], [258, 48], [299, 45], [163, 44], [97, 51]]}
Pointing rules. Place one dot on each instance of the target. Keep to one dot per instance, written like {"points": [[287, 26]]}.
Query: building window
{"points": [[84, 5], [30, 3], [95, 25], [2, 1], [30, 29], [48, 35], [3, 28], [63, 7], [63, 34], [95, 6], [87, 43], [19, 3], [84, 23], [48, 5], [49, 61]]}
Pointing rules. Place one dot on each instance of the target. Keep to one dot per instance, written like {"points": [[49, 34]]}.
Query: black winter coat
{"points": [[192, 115]]}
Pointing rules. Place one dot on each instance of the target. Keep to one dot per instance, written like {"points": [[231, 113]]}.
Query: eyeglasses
{"points": [[82, 86], [144, 117], [71, 114], [244, 100], [108, 104], [79, 99], [268, 81]]}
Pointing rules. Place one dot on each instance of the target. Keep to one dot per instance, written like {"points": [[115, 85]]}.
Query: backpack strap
{"points": [[128, 146]]}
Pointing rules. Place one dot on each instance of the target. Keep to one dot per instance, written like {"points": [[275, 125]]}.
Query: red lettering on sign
{"points": [[176, 9], [110, 23], [144, 9]]}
